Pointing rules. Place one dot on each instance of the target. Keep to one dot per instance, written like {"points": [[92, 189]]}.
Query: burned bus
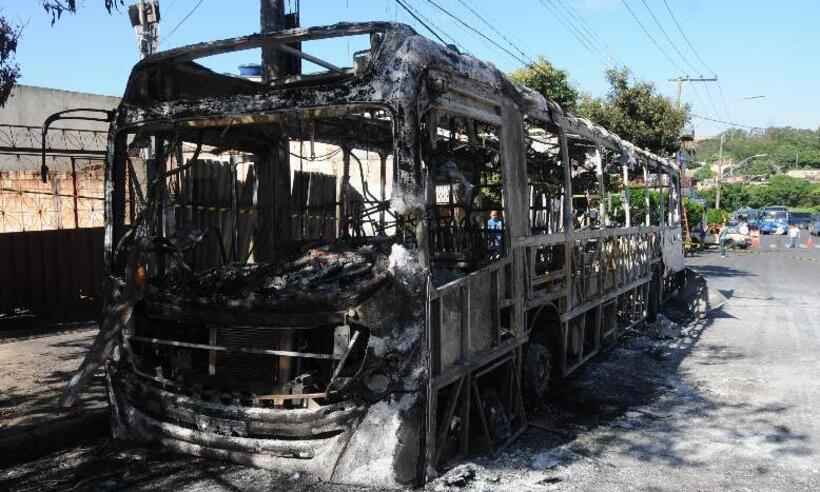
{"points": [[363, 273]]}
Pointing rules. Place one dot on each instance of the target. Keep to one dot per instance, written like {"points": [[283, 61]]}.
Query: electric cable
{"points": [[187, 16]]}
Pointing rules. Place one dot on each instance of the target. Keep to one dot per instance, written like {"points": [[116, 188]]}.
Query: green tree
{"points": [[550, 82], [638, 113], [9, 69], [784, 148], [704, 173], [694, 212]]}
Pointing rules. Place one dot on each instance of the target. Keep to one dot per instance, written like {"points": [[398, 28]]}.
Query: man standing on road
{"points": [[723, 239], [794, 236]]}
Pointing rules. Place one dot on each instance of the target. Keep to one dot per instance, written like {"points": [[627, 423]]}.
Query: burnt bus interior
{"points": [[548, 301], [239, 222]]}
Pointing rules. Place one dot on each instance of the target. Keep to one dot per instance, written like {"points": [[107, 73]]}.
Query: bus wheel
{"points": [[537, 370]]}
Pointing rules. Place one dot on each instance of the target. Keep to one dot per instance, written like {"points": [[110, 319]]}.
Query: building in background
{"points": [[73, 195]]}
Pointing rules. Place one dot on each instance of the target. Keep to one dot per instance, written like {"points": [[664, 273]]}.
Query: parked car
{"points": [[774, 220], [773, 226], [800, 219], [737, 239], [814, 226]]}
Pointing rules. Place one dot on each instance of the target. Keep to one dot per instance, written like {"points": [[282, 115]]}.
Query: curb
{"points": [[18, 445]]}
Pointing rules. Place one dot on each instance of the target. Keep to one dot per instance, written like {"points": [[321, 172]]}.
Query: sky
{"points": [[755, 47]]}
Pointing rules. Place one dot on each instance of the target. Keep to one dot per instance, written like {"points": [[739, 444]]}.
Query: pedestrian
{"points": [[794, 236], [723, 238], [495, 226]]}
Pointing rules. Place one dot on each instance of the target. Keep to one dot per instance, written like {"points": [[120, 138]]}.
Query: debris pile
{"points": [[321, 278], [664, 328]]}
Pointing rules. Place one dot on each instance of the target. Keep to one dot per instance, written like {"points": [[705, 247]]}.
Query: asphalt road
{"points": [[730, 402]]}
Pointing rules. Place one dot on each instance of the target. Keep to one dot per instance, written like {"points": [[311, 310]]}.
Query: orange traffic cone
{"points": [[810, 242], [755, 240]]}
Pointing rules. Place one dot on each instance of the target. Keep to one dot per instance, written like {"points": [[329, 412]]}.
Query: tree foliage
{"points": [[703, 173], [9, 69], [10, 36], [782, 146], [638, 113], [780, 190], [549, 81]]}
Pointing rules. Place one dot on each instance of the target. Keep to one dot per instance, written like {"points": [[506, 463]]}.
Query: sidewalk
{"points": [[33, 371]]}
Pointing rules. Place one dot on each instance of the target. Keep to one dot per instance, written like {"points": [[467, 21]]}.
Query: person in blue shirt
{"points": [[495, 226]]}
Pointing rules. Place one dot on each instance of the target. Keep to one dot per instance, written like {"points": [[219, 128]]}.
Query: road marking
{"points": [[803, 246], [772, 246]]}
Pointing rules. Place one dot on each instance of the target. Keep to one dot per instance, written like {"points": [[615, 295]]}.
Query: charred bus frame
{"points": [[399, 331]]}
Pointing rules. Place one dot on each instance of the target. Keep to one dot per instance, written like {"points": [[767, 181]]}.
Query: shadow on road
{"points": [[636, 400]]}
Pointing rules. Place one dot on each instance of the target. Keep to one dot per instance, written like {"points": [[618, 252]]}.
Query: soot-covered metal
{"points": [[362, 273]]}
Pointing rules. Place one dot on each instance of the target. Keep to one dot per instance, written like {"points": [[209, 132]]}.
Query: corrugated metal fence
{"points": [[53, 273]]}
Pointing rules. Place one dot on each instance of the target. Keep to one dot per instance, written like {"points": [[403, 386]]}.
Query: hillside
{"points": [[786, 148]]}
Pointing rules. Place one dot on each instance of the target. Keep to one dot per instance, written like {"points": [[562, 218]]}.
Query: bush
{"points": [[715, 216]]}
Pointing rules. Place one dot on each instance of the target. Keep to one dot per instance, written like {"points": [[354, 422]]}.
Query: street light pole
{"points": [[720, 173], [681, 80]]}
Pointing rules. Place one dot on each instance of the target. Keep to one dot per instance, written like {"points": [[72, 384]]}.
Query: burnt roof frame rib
{"points": [[68, 114], [252, 41]]}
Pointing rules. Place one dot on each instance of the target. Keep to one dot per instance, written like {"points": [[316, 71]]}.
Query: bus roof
{"points": [[173, 83]]}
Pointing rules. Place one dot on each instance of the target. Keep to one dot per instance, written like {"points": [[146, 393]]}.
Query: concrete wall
{"points": [[30, 105], [28, 204]]}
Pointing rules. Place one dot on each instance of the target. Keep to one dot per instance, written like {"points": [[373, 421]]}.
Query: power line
{"points": [[413, 14], [702, 101], [722, 122], [655, 42], [187, 16], [668, 38], [685, 37], [588, 30], [494, 29], [473, 29], [573, 30], [725, 104], [712, 102]]}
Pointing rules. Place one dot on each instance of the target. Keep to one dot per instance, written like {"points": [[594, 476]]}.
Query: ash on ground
{"points": [[631, 387]]}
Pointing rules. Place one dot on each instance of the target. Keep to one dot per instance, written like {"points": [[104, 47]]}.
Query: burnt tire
{"points": [[537, 372]]}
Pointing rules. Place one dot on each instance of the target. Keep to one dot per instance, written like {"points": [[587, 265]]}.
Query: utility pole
{"points": [[681, 80], [275, 62], [273, 165], [145, 19], [720, 173]]}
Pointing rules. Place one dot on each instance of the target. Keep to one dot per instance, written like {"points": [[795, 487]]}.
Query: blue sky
{"points": [[756, 47]]}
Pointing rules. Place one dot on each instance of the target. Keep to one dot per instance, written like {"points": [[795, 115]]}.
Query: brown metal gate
{"points": [[56, 274]]}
